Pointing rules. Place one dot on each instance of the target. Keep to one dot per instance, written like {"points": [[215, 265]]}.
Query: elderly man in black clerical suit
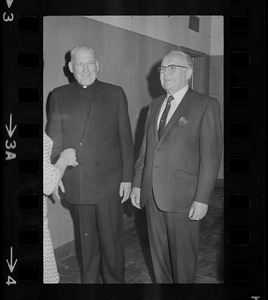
{"points": [[91, 117]]}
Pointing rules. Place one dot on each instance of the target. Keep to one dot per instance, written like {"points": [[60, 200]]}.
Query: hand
{"points": [[124, 190], [197, 211], [69, 157], [135, 197], [55, 193]]}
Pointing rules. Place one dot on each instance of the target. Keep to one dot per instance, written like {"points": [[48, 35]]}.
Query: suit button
{"points": [[157, 149], [80, 144]]}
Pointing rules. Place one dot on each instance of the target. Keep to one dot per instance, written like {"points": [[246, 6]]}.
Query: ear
{"points": [[97, 65], [189, 73], [70, 65]]}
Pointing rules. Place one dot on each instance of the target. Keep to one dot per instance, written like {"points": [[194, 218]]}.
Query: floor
{"points": [[138, 262]]}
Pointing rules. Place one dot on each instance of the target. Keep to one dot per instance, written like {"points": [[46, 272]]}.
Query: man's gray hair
{"points": [[189, 60], [77, 48]]}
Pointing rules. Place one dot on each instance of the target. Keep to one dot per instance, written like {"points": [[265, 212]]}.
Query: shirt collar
{"points": [[179, 95]]}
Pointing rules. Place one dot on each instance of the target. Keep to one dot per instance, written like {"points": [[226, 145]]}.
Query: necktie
{"points": [[163, 119]]}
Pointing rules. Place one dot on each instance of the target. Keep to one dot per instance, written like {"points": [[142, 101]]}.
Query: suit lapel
{"points": [[156, 116], [182, 107]]}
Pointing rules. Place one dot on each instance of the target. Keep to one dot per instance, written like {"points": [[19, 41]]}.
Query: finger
{"points": [[196, 216], [121, 191], [127, 194], [61, 187], [135, 203], [191, 212], [124, 200], [56, 195]]}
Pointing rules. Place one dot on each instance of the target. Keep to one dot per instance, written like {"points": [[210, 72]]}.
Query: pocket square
{"points": [[183, 121]]}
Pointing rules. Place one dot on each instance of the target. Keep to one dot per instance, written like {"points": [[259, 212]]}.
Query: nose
{"points": [[85, 68]]}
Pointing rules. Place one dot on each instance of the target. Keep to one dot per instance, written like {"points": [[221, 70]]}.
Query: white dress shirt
{"points": [[173, 104]]}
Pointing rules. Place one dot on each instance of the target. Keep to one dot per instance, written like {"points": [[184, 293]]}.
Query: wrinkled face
{"points": [[84, 66], [172, 82]]}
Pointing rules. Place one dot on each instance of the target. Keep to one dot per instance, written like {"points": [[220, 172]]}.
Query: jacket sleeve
{"points": [[54, 127], [125, 139], [211, 145], [139, 165]]}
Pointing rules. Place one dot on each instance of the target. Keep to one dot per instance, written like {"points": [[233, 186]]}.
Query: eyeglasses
{"points": [[171, 68]]}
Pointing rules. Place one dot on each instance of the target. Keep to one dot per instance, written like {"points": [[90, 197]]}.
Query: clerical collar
{"points": [[83, 87]]}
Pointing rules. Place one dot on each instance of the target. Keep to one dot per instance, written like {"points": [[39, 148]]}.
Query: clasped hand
{"points": [[69, 156]]}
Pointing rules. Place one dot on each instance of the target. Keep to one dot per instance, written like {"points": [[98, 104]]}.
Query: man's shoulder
{"points": [[201, 98], [109, 86], [63, 89]]}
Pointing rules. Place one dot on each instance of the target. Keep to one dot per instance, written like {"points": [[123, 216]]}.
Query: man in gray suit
{"points": [[176, 170]]}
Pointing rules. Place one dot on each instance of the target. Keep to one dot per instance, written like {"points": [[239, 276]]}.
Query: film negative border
{"points": [[244, 157], [23, 175], [244, 171]]}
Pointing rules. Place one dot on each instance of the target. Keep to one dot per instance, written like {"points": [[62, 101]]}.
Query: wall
{"points": [[216, 78], [127, 58]]}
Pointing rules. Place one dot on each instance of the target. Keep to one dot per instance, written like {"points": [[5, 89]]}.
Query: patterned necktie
{"points": [[163, 119]]}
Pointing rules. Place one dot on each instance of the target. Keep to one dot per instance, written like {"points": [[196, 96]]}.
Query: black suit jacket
{"points": [[103, 141]]}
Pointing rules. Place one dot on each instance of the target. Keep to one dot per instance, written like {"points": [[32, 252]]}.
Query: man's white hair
{"points": [[189, 60], [82, 47]]}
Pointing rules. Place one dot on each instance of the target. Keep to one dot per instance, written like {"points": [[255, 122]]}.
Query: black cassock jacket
{"points": [[102, 140]]}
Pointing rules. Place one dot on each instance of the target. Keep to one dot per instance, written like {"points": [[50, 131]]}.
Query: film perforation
{"points": [[28, 24], [28, 60], [239, 59], [239, 273], [239, 130], [28, 272], [29, 237], [28, 95], [239, 237], [239, 166], [239, 95], [28, 201], [29, 166], [239, 24], [28, 131], [239, 202]]}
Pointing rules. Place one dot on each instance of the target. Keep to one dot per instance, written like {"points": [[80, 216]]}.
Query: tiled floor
{"points": [[138, 261]]}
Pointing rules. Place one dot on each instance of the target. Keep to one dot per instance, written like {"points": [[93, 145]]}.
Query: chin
{"points": [[86, 82], [168, 87]]}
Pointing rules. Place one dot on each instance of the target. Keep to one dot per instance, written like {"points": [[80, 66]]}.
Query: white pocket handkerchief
{"points": [[183, 121]]}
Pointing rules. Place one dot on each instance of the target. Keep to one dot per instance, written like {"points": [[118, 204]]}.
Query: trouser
{"points": [[174, 243], [102, 242]]}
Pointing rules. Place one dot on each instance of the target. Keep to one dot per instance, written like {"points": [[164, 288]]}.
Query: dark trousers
{"points": [[174, 242], [102, 242]]}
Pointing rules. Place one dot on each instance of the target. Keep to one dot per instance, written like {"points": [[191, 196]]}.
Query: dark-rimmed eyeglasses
{"points": [[170, 68]]}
